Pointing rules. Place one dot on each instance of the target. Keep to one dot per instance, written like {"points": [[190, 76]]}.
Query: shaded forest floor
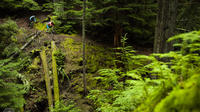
{"points": [[71, 88], [36, 100]]}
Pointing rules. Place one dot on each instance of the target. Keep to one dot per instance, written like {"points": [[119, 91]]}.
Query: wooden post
{"points": [[55, 73], [47, 79]]}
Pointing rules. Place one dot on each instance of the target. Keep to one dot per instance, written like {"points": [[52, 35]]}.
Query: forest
{"points": [[99, 56]]}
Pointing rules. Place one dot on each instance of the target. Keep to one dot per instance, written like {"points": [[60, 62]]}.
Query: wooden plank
{"points": [[55, 73], [47, 79]]}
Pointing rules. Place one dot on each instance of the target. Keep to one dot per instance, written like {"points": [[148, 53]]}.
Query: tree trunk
{"points": [[83, 40], [117, 43], [166, 24], [117, 36]]}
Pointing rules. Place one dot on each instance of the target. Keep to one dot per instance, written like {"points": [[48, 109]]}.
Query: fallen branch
{"points": [[26, 44], [32, 38]]}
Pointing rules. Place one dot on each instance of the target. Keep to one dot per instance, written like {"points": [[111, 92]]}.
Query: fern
{"points": [[159, 82], [179, 70], [108, 78], [64, 106], [182, 99], [8, 31], [11, 95], [114, 96]]}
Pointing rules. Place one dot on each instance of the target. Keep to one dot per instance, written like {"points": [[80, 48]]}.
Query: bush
{"points": [[11, 95], [65, 107], [8, 31], [169, 82], [13, 5]]}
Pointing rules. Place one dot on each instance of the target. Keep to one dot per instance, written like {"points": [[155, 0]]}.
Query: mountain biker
{"points": [[32, 20], [49, 25]]}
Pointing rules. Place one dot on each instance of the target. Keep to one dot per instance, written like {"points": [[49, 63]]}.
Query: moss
{"points": [[80, 89], [99, 58], [185, 98], [70, 35], [47, 78], [154, 98], [35, 65], [40, 26], [55, 73]]}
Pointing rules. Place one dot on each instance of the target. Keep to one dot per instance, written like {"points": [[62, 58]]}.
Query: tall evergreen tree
{"points": [[59, 7], [188, 15], [83, 40], [116, 17], [166, 25], [11, 5], [68, 15]]}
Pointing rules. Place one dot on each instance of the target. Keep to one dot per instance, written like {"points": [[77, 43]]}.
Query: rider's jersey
{"points": [[50, 24]]}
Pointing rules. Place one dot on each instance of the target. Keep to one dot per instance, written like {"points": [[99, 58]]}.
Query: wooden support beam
{"points": [[55, 73], [47, 78]]}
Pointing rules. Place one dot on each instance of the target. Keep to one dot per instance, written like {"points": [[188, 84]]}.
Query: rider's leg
{"points": [[47, 28]]}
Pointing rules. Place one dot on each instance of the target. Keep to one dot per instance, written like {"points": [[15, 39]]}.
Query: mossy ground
{"points": [[71, 84]]}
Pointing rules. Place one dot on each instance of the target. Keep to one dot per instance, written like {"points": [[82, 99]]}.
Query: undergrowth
{"points": [[65, 106], [8, 32], [166, 82]]}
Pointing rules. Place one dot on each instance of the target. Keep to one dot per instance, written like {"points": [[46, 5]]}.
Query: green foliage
{"points": [[182, 65], [40, 26], [35, 65], [62, 106], [30, 4], [135, 17], [134, 94], [184, 97], [60, 58], [157, 83], [108, 78], [188, 16], [125, 54], [12, 91], [60, 61], [189, 42], [10, 49], [67, 28], [19, 4], [71, 48], [47, 7], [113, 95], [99, 58], [112, 88], [68, 15], [8, 31]]}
